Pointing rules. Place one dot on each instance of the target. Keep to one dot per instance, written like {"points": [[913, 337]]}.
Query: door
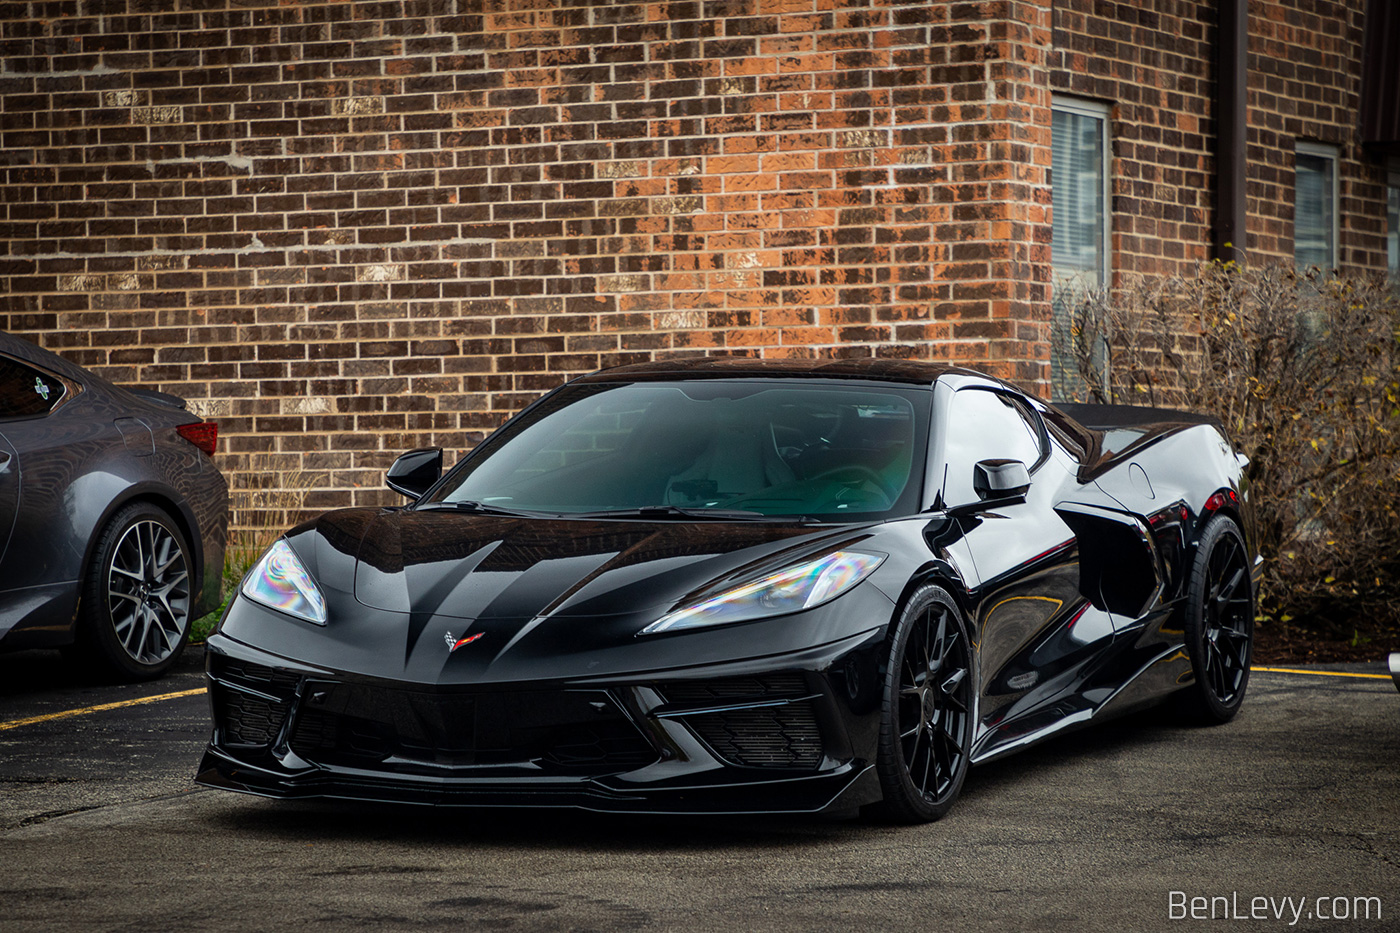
{"points": [[28, 398], [1036, 632]]}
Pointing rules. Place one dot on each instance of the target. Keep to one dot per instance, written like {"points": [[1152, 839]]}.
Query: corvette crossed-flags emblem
{"points": [[453, 642]]}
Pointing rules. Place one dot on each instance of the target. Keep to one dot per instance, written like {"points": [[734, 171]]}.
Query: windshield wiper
{"points": [[674, 511], [471, 505]]}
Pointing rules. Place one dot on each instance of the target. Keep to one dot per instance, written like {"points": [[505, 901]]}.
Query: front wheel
{"points": [[136, 602], [927, 712], [1219, 624]]}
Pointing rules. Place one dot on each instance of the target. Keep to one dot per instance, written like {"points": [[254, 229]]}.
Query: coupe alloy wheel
{"points": [[134, 618], [148, 592]]}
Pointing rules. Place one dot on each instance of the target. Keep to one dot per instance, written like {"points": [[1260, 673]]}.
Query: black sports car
{"points": [[730, 585], [111, 508]]}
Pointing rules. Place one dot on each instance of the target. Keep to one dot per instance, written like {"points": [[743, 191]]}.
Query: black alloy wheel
{"points": [[1219, 623], [927, 715], [137, 595]]}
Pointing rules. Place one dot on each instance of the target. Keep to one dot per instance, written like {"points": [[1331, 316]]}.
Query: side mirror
{"points": [[415, 472], [1000, 480]]}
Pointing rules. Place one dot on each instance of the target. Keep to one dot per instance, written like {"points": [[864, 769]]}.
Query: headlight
{"points": [[789, 590], [280, 581]]}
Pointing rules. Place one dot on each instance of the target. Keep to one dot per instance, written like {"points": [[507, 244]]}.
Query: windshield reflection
{"points": [[754, 449]]}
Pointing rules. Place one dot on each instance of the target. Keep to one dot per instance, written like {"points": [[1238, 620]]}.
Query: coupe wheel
{"points": [[1219, 623], [135, 614], [927, 713]]}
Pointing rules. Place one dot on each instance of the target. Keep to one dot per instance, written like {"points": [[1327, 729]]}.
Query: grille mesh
{"points": [[581, 732], [258, 676], [250, 720], [762, 686], [764, 737]]}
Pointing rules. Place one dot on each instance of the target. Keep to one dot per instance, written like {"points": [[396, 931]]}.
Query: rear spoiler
{"points": [[1103, 417], [160, 398]]}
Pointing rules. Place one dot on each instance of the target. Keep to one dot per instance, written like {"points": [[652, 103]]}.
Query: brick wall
{"points": [[1305, 84], [1154, 64], [347, 229]]}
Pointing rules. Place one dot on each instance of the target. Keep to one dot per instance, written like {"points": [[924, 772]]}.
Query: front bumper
{"points": [[791, 733], [1395, 668]]}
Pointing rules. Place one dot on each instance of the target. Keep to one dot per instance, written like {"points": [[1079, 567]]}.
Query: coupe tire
{"points": [[137, 596], [1219, 624], [927, 710]]}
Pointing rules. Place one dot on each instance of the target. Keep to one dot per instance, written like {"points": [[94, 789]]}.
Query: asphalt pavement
{"points": [[1132, 825]]}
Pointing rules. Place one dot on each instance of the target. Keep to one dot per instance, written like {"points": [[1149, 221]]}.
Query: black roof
{"points": [[910, 372]]}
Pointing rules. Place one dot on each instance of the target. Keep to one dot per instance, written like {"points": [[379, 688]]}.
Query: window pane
{"points": [[1392, 233], [25, 392], [1313, 211], [984, 426], [1077, 181], [1079, 251]]}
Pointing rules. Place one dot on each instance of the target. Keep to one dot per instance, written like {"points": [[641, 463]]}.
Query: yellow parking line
{"points": [[16, 723], [1290, 670], [65, 714]]}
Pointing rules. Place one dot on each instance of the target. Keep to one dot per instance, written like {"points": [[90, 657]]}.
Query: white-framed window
{"points": [[1392, 221], [1081, 227], [1315, 199]]}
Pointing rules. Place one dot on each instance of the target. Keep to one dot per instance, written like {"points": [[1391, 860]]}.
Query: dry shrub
{"points": [[1304, 371], [267, 496]]}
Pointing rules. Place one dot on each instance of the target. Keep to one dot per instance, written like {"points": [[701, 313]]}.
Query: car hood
{"points": [[534, 598], [460, 565]]}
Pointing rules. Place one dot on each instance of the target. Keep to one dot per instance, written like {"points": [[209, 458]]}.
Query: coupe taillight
{"points": [[202, 434]]}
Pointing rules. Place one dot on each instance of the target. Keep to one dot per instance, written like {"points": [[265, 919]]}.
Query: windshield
{"points": [[825, 452]]}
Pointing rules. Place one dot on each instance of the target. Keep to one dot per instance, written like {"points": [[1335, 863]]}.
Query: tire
{"points": [[134, 618], [1219, 624], [927, 710]]}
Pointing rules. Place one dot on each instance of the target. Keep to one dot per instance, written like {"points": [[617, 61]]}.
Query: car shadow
{"points": [[36, 671], [581, 831]]}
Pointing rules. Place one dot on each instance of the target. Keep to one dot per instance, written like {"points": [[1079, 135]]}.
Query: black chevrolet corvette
{"points": [[735, 586]]}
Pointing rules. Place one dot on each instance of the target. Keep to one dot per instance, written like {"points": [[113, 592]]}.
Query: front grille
{"points": [[250, 720], [256, 675], [570, 732], [785, 736], [763, 737], [757, 687]]}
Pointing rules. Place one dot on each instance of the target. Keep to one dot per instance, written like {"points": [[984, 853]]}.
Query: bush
{"points": [[1304, 371]]}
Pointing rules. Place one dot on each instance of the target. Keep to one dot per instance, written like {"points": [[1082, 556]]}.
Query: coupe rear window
{"points": [[775, 449], [26, 392]]}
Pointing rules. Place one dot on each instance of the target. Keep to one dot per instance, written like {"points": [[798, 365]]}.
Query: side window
{"points": [[26, 392], [985, 425], [1315, 206]]}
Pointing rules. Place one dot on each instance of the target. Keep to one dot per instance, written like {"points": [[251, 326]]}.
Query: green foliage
{"points": [[1304, 371]]}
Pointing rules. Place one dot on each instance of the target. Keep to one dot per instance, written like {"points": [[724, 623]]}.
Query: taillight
{"points": [[1220, 500], [202, 434]]}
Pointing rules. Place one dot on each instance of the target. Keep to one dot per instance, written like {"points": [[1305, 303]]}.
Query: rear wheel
{"points": [[136, 602], [926, 717], [1219, 623]]}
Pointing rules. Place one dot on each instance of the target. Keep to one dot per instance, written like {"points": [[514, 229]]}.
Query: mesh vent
{"points": [[574, 732], [250, 720], [766, 737], [255, 675], [761, 686]]}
